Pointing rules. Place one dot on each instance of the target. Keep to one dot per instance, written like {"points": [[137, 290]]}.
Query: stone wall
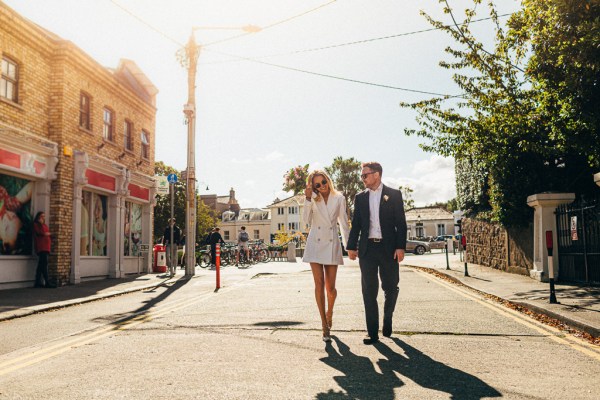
{"points": [[494, 246]]}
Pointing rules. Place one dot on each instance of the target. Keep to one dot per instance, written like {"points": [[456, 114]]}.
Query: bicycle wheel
{"points": [[204, 260], [262, 255]]}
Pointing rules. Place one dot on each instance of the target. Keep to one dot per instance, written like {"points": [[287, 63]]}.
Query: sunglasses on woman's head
{"points": [[323, 183]]}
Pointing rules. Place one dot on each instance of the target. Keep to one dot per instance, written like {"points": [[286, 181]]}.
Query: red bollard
{"points": [[218, 265]]}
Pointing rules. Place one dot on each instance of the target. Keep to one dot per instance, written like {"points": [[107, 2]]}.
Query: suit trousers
{"points": [[376, 262]]}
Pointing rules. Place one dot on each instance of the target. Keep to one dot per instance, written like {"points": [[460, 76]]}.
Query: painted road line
{"points": [[44, 353], [548, 331]]}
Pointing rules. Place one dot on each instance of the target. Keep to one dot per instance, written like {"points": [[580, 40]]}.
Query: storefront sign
{"points": [[139, 192], [100, 180], [144, 248]]}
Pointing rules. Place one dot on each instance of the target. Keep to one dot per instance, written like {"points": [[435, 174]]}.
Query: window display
{"points": [[15, 216]]}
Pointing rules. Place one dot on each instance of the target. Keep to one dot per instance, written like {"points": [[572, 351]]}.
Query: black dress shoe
{"points": [[370, 340], [387, 329]]}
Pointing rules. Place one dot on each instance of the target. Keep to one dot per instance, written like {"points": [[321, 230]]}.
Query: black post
{"points": [[464, 244], [549, 246], [447, 261]]}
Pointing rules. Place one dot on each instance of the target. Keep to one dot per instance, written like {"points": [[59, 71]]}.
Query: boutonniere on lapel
{"points": [[385, 197]]}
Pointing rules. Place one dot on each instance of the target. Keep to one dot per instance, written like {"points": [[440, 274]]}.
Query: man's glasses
{"points": [[323, 183], [364, 176]]}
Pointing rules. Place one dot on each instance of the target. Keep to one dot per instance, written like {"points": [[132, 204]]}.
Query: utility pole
{"points": [[188, 57]]}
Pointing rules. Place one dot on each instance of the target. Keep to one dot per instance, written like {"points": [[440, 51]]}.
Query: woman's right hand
{"points": [[308, 192]]}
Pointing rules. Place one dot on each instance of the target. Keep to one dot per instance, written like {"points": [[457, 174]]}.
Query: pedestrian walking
{"points": [[42, 244], [214, 239], [324, 209], [172, 247], [242, 241], [378, 238]]}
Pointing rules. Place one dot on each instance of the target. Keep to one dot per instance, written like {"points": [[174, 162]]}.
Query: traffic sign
{"points": [[172, 178]]}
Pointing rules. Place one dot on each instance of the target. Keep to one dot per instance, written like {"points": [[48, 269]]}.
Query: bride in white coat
{"points": [[324, 209]]}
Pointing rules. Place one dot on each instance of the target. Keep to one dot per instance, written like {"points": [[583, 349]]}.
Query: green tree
{"points": [[407, 191], [294, 180], [345, 174], [528, 111], [205, 217]]}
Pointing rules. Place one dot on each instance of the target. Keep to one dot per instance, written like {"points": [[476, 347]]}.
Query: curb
{"points": [[577, 325], [73, 302]]}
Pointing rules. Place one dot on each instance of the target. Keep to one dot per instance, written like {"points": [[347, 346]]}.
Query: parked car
{"points": [[417, 247]]}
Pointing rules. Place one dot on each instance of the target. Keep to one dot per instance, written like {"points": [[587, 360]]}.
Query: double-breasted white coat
{"points": [[323, 243]]}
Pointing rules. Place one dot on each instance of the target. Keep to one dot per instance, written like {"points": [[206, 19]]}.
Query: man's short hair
{"points": [[217, 229], [243, 228], [172, 220], [374, 166]]}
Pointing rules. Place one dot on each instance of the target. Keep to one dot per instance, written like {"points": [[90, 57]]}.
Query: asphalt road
{"points": [[259, 338]]}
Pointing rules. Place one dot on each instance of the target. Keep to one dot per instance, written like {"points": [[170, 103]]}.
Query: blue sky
{"points": [[255, 121]]}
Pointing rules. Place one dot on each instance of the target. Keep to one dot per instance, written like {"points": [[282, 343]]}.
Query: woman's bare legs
{"points": [[319, 277], [330, 275]]}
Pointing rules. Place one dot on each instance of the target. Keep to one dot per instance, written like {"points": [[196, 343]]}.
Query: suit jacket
{"points": [[391, 219]]}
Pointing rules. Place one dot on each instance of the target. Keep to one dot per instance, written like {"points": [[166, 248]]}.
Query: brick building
{"points": [[77, 142]]}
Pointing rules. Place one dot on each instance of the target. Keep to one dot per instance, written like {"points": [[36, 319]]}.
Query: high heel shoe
{"points": [[329, 317], [326, 334]]}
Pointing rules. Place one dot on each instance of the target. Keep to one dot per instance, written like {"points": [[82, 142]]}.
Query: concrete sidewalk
{"points": [[579, 305]]}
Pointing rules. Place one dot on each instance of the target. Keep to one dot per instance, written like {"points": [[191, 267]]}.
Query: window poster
{"points": [[132, 229], [16, 221], [99, 224]]}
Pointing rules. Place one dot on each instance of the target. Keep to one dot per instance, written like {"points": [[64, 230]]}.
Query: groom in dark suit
{"points": [[378, 238]]}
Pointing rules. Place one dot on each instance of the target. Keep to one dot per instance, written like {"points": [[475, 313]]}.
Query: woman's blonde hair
{"points": [[318, 172]]}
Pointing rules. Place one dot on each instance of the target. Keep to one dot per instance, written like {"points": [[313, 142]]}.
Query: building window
{"points": [[145, 145], [292, 226], [84, 111], [420, 231], [441, 229], [280, 226], [127, 135], [132, 229], [225, 235], [94, 223], [9, 82], [256, 234], [280, 210], [109, 125], [292, 210]]}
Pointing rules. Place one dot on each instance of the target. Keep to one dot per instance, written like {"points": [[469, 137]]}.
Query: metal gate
{"points": [[578, 232]]}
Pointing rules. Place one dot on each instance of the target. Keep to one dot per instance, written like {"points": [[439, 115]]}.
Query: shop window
{"points": [[132, 229], [256, 234], [94, 224], [109, 124], [9, 80], [16, 221], [84, 111], [145, 145], [128, 135]]}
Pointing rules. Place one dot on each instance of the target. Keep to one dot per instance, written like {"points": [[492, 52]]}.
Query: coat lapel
{"points": [[381, 201], [322, 208]]}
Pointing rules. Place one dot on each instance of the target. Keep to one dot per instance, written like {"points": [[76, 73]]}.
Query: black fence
{"points": [[578, 231]]}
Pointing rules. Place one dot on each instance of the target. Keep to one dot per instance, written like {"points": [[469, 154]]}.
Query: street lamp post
{"points": [[189, 58]]}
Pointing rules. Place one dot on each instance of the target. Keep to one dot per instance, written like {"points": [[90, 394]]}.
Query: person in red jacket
{"points": [[41, 234]]}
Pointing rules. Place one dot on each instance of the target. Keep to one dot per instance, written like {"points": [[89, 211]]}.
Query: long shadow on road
{"points": [[360, 379]]}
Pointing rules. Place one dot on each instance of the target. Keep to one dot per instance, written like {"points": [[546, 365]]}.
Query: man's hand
{"points": [[352, 254], [399, 255]]}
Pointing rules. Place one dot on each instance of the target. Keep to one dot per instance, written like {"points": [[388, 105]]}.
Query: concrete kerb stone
{"points": [[24, 312], [577, 325]]}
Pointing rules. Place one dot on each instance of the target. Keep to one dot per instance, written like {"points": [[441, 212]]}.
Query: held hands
{"points": [[352, 254], [399, 255]]}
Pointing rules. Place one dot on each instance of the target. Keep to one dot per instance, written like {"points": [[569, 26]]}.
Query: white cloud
{"points": [[432, 180], [272, 156]]}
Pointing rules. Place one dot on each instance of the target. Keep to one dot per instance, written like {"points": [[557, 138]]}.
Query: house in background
{"points": [[256, 220], [429, 222], [286, 215]]}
